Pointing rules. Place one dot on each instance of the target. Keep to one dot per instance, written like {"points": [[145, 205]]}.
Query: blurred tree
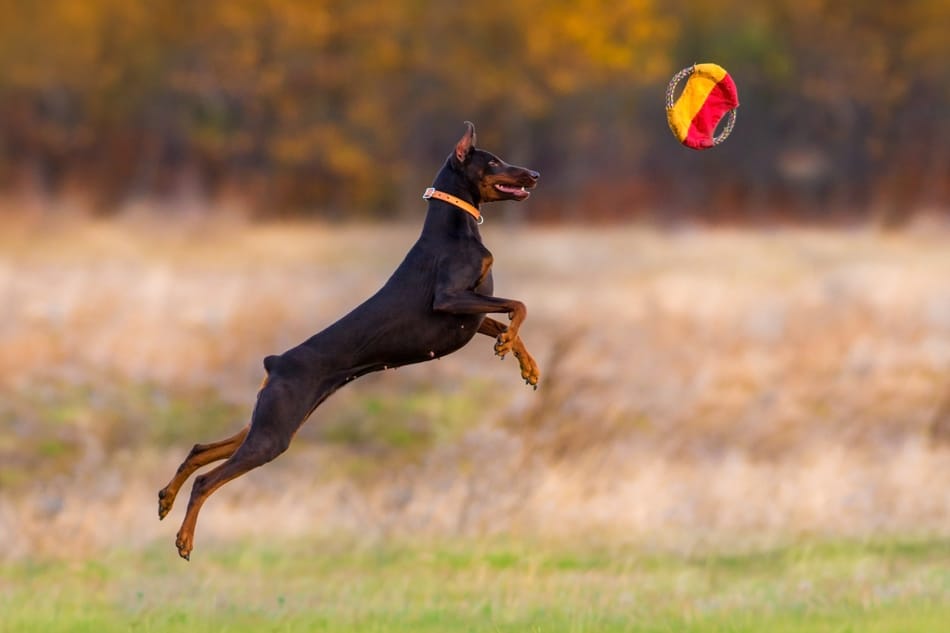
{"points": [[331, 107]]}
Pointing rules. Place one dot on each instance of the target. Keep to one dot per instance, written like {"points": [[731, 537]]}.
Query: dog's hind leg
{"points": [[529, 368], [277, 417], [200, 455]]}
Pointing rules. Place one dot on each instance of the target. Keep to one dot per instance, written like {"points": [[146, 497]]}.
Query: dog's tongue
{"points": [[520, 192]]}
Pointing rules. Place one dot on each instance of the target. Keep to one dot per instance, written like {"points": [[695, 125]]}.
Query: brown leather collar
{"points": [[432, 192]]}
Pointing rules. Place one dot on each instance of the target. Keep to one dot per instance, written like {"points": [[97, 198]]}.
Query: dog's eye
{"points": [[493, 163]]}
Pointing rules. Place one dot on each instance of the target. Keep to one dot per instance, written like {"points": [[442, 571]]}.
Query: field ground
{"points": [[735, 431], [462, 585]]}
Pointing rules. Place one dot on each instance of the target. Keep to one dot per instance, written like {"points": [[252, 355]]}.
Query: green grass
{"points": [[403, 423], [336, 585], [41, 429]]}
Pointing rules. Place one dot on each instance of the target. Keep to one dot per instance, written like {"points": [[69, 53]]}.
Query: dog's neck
{"points": [[445, 217], [452, 180], [432, 192]]}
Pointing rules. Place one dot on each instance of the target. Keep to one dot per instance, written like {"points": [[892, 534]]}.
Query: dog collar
{"points": [[432, 192]]}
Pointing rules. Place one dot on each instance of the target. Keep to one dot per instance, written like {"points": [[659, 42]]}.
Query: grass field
{"points": [[333, 585], [735, 431]]}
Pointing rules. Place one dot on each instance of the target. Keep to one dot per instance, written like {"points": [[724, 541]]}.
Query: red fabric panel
{"points": [[721, 100]]}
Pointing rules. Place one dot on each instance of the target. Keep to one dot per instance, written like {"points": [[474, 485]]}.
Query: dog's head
{"points": [[495, 179]]}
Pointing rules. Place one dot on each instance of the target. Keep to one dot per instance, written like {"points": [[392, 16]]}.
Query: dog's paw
{"points": [[530, 372], [165, 501], [504, 343], [184, 542]]}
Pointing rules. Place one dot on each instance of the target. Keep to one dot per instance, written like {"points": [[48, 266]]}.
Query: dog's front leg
{"points": [[506, 337], [469, 302], [455, 293], [530, 371]]}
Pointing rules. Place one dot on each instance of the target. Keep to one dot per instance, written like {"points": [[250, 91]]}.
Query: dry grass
{"points": [[700, 386]]}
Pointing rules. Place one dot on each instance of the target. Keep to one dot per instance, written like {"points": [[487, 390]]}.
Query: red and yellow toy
{"points": [[708, 96]]}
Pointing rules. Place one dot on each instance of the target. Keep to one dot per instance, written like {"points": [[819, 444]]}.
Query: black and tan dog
{"points": [[435, 303]]}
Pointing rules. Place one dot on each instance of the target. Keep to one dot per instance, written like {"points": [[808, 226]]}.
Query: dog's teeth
{"points": [[523, 189]]}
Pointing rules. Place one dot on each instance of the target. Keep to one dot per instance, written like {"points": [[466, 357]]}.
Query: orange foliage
{"points": [[294, 104]]}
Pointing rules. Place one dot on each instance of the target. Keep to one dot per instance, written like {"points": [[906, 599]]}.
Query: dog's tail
{"points": [[270, 363]]}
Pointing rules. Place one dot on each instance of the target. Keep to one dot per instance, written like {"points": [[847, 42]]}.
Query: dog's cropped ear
{"points": [[466, 144]]}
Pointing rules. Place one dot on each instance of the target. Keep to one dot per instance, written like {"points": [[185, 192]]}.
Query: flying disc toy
{"points": [[708, 95]]}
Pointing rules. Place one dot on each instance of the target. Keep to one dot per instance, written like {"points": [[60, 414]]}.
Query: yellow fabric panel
{"points": [[698, 86]]}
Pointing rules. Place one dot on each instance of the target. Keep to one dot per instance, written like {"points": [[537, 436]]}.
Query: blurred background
{"points": [[743, 345], [341, 109]]}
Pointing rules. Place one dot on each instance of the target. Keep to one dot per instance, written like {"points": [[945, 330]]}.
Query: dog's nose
{"points": [[534, 175]]}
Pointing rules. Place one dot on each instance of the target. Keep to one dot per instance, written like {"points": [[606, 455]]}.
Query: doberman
{"points": [[433, 304]]}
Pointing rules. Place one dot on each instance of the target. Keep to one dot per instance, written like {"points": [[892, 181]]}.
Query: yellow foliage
{"points": [[259, 82]]}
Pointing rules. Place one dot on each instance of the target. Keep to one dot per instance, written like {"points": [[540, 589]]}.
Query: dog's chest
{"points": [[484, 284]]}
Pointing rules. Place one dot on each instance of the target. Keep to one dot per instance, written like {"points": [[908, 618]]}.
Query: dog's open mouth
{"points": [[515, 191]]}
